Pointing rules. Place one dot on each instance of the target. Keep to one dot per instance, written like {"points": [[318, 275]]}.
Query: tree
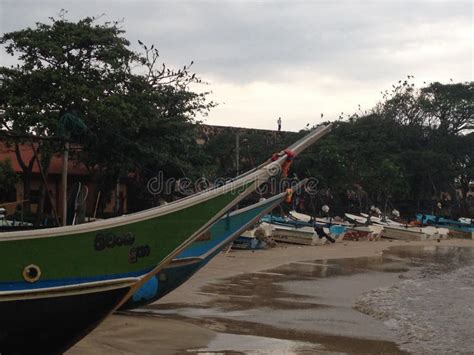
{"points": [[405, 153], [449, 108], [138, 112]]}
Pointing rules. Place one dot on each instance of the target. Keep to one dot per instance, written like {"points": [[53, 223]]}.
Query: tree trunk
{"points": [[26, 179], [464, 191], [40, 210]]}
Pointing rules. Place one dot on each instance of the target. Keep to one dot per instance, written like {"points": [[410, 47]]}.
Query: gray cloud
{"points": [[371, 43], [244, 41]]}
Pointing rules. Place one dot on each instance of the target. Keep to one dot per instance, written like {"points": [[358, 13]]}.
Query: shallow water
{"points": [[431, 311], [255, 345], [407, 299]]}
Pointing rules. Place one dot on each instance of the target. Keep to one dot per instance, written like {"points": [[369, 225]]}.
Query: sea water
{"points": [[431, 311]]}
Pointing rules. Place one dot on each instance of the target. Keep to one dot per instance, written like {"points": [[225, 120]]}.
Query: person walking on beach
{"points": [[279, 124]]}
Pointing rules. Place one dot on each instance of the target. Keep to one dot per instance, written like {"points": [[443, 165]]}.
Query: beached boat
{"points": [[133, 246], [291, 230], [404, 233], [288, 234], [323, 231], [335, 228], [198, 254], [457, 229]]}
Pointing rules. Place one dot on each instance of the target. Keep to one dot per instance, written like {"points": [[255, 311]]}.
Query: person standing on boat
{"points": [[279, 124]]}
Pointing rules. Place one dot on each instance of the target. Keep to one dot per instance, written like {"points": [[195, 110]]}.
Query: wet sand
{"points": [[290, 299]]}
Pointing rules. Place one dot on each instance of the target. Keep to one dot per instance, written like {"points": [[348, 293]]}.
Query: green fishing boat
{"points": [[76, 258]]}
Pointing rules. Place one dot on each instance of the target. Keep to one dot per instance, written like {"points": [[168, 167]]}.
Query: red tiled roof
{"points": [[55, 166]]}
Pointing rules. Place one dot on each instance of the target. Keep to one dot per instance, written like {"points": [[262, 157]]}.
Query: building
{"points": [[77, 173]]}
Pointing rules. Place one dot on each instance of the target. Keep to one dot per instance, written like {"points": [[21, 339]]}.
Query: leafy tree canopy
{"points": [[414, 145], [135, 108], [139, 113]]}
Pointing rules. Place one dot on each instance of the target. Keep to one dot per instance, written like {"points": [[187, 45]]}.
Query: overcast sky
{"points": [[294, 59]]}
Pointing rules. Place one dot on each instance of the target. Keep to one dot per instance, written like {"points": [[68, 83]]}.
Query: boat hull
{"points": [[461, 234], [51, 322], [403, 233], [301, 236], [166, 281]]}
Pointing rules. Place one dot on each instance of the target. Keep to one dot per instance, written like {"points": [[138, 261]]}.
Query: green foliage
{"points": [[410, 148], [140, 115]]}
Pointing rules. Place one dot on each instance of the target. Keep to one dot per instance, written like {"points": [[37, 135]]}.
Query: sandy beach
{"points": [[289, 300]]}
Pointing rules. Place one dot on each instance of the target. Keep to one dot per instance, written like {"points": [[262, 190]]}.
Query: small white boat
{"points": [[303, 235], [414, 233], [404, 233]]}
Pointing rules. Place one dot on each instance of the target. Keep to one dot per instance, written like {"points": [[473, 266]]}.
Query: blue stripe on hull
{"points": [[18, 286]]}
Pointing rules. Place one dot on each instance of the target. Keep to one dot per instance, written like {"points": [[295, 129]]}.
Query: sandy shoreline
{"points": [[281, 299]]}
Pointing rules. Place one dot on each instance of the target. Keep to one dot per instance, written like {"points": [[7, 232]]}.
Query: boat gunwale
{"points": [[251, 176]]}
